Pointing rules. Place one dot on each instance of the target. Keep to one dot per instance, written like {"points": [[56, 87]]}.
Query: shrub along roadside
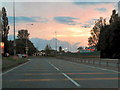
{"points": [[10, 62]]}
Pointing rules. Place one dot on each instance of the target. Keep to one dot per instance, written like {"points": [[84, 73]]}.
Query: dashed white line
{"points": [[54, 67], [74, 82], [78, 85]]}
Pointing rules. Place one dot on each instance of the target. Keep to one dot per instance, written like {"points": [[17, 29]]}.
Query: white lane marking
{"points": [[78, 85], [74, 82], [54, 67], [97, 67], [102, 69], [14, 68]]}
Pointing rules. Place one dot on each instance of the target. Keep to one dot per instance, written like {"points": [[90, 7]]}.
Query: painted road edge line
{"points": [[96, 67], [74, 82], [14, 68]]}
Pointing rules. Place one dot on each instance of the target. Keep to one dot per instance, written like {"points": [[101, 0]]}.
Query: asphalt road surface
{"points": [[57, 73]]}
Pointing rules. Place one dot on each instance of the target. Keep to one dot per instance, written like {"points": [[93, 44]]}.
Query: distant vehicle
{"points": [[22, 55]]}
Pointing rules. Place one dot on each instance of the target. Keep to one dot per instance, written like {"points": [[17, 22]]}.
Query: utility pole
{"points": [[56, 41], [26, 48], [14, 27]]}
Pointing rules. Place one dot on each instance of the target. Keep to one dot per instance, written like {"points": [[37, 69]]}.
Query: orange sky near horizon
{"points": [[67, 19]]}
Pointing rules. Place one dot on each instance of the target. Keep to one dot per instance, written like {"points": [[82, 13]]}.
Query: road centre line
{"points": [[54, 67], [71, 80], [74, 82]]}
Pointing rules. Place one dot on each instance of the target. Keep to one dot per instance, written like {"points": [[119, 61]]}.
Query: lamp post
{"points": [[56, 42], [14, 28], [26, 48]]}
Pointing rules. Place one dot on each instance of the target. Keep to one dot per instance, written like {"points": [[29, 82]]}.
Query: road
{"points": [[57, 73]]}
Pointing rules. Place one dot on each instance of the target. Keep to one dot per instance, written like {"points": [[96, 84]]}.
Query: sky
{"points": [[71, 20]]}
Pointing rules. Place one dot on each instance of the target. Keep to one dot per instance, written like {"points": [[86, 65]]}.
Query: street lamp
{"points": [[14, 28], [56, 42], [26, 48]]}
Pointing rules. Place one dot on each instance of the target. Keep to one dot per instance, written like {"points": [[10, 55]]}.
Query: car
{"points": [[22, 55]]}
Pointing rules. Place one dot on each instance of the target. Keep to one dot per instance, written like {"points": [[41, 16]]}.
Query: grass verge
{"points": [[10, 62]]}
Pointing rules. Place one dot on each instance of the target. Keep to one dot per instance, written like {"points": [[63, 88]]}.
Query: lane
{"points": [[36, 74], [57, 73], [88, 76]]}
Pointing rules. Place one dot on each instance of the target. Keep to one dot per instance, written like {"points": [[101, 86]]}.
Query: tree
{"points": [[95, 32], [5, 30], [20, 46], [1, 25], [48, 49], [23, 34], [23, 37], [80, 48], [109, 38]]}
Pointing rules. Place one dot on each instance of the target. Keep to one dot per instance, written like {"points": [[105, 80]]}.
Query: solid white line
{"points": [[96, 67], [78, 85], [14, 68], [102, 68]]}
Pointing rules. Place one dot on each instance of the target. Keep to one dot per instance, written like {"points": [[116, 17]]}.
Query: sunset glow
{"points": [[72, 21]]}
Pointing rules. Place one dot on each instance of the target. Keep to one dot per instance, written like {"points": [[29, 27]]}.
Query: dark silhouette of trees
{"points": [[1, 26], [110, 37], [95, 32], [5, 30], [48, 49], [107, 37], [23, 34], [21, 46], [23, 37]]}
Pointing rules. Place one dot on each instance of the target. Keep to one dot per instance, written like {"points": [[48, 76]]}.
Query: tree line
{"points": [[22, 38], [105, 37]]}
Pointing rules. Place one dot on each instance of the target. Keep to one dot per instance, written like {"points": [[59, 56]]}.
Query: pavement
{"points": [[50, 72]]}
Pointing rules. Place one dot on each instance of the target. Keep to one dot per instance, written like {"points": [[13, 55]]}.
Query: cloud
{"points": [[67, 20], [89, 3], [41, 19], [24, 19], [89, 23], [92, 21], [86, 26], [101, 9]]}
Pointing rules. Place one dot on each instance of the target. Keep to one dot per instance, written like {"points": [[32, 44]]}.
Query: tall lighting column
{"points": [[26, 48], [14, 27], [56, 42]]}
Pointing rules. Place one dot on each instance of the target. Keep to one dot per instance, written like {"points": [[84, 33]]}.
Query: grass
{"points": [[10, 62]]}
